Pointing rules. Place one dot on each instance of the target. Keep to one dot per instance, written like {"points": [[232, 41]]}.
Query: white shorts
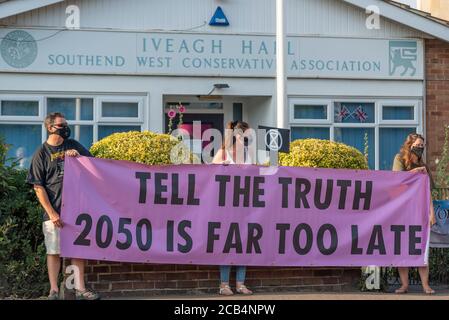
{"points": [[51, 234]]}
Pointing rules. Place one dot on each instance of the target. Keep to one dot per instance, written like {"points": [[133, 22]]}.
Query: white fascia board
{"points": [[405, 17], [11, 8]]}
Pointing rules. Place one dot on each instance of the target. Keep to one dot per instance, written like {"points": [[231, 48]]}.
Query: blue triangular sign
{"points": [[219, 18]]}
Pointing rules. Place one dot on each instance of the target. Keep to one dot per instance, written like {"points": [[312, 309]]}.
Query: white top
{"points": [[248, 159]]}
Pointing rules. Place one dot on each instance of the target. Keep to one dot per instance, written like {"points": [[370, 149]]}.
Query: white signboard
{"points": [[181, 54]]}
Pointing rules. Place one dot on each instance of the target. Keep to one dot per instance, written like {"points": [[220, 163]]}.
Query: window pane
{"points": [[24, 140], [391, 140], [104, 131], [355, 137], [87, 109], [83, 134], [310, 112], [398, 113], [67, 106], [310, 132], [354, 112], [120, 109], [20, 108]]}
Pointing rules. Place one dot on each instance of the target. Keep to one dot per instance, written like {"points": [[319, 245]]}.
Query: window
{"points": [[350, 112], [391, 139], [356, 137], [19, 108], [90, 118], [397, 113], [381, 125], [72, 108], [23, 141], [120, 109], [310, 111]]}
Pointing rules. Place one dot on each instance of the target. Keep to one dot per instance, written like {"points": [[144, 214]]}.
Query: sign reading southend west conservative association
{"points": [[224, 215], [95, 52]]}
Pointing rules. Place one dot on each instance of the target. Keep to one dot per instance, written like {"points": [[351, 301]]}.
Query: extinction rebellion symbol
{"points": [[18, 49]]}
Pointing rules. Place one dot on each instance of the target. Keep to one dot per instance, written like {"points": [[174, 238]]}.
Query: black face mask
{"points": [[418, 151], [63, 132]]}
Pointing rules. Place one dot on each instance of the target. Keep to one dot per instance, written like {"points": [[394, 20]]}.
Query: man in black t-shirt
{"points": [[46, 174]]}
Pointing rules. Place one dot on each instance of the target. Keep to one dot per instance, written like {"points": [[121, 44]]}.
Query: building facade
{"points": [[131, 61]]}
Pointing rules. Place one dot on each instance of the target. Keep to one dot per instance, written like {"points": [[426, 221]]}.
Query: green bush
{"points": [[142, 147], [22, 252], [317, 153]]}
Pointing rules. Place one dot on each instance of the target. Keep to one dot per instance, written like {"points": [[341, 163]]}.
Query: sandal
{"points": [[225, 291], [54, 295], [87, 294], [429, 291], [401, 290], [243, 290]]}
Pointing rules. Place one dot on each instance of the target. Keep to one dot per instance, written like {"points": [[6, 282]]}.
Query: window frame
{"points": [[313, 102], [400, 103], [377, 124], [142, 100], [25, 97], [127, 99]]}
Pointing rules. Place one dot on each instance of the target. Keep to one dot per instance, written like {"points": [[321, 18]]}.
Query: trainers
{"points": [[87, 295], [54, 295]]}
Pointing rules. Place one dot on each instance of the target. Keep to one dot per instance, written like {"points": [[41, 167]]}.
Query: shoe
{"points": [[226, 291], [54, 295], [243, 290], [87, 295], [401, 290]]}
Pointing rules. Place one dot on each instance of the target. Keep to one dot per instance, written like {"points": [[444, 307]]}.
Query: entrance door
{"points": [[209, 118]]}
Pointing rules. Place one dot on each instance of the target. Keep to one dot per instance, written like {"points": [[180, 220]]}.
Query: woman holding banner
{"points": [[410, 159], [234, 150]]}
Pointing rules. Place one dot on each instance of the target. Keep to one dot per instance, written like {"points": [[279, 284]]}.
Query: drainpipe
{"points": [[281, 76]]}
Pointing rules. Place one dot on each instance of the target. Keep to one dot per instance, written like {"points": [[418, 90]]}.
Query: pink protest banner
{"points": [[224, 215]]}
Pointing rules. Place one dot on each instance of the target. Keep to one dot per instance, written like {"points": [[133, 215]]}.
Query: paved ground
{"points": [[414, 294]]}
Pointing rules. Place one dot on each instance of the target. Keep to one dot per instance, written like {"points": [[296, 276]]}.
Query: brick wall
{"points": [[113, 279], [437, 112]]}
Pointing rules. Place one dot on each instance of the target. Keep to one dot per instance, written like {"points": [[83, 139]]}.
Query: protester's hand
{"points": [[419, 170], [72, 153], [433, 219], [225, 162], [54, 217]]}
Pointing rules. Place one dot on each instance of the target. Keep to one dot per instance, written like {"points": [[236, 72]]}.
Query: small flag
{"points": [[360, 114]]}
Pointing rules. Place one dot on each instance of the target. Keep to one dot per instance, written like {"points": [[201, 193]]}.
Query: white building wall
{"points": [[260, 102], [305, 17]]}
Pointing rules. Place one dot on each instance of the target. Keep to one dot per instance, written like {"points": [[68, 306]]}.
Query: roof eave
{"points": [[11, 8], [405, 17]]}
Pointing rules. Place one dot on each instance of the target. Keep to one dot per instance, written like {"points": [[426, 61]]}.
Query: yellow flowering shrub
{"points": [[142, 147], [318, 153]]}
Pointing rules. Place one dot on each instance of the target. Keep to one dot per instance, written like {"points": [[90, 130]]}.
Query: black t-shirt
{"points": [[47, 169]]}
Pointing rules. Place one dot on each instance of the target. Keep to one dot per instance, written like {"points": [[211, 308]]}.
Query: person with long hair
{"points": [[234, 150], [410, 158]]}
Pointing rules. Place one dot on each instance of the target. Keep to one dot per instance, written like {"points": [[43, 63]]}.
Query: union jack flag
{"points": [[361, 114], [343, 113]]}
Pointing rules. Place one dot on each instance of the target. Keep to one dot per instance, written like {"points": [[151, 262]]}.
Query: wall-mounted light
{"points": [[215, 97], [219, 86]]}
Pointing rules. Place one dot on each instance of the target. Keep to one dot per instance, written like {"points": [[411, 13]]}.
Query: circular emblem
{"points": [[273, 140], [18, 49]]}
